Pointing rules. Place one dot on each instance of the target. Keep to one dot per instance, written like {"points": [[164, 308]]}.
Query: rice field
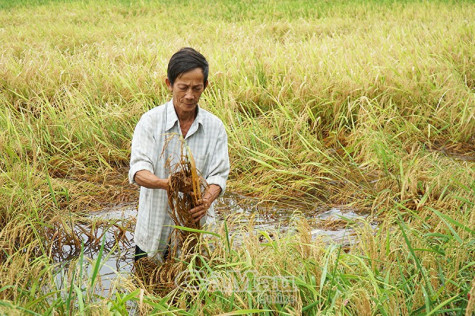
{"points": [[365, 104]]}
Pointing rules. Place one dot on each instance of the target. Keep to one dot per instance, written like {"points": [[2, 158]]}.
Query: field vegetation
{"points": [[368, 104]]}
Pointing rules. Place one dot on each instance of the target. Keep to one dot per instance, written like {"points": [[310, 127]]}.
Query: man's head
{"points": [[185, 60], [187, 79]]}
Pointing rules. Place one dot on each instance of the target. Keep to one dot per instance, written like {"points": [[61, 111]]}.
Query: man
{"points": [[152, 147]]}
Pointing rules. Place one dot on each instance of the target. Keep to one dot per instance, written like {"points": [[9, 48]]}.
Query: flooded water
{"points": [[115, 226], [328, 224], [111, 229]]}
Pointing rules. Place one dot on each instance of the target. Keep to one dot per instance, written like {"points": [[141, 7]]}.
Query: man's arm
{"points": [[147, 179], [143, 153], [210, 195]]}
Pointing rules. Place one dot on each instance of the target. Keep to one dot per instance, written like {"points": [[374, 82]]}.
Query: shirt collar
{"points": [[172, 118]]}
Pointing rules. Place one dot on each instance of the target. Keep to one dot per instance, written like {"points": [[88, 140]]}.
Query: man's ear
{"points": [[206, 84], [169, 84]]}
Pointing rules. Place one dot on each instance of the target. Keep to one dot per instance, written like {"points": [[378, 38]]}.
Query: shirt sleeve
{"points": [[219, 166], [141, 154]]}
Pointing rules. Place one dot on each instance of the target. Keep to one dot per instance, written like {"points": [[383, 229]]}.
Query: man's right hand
{"points": [[147, 179]]}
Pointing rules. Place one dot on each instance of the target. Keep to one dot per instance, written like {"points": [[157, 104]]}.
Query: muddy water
{"points": [[117, 223]]}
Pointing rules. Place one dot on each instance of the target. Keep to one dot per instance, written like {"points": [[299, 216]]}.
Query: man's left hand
{"points": [[199, 211], [211, 193]]}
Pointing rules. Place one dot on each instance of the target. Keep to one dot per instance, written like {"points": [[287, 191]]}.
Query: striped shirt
{"points": [[208, 143]]}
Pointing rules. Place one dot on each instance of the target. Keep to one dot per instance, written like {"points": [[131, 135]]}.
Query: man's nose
{"points": [[189, 94]]}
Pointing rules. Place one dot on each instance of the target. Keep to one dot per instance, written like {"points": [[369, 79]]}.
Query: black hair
{"points": [[184, 60]]}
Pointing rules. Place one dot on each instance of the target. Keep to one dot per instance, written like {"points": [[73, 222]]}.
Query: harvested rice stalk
{"points": [[184, 193], [195, 180]]}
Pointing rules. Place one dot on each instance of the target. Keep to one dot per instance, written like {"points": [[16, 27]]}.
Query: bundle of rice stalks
{"points": [[184, 193]]}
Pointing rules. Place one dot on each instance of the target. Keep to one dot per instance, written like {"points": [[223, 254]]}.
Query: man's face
{"points": [[187, 90]]}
